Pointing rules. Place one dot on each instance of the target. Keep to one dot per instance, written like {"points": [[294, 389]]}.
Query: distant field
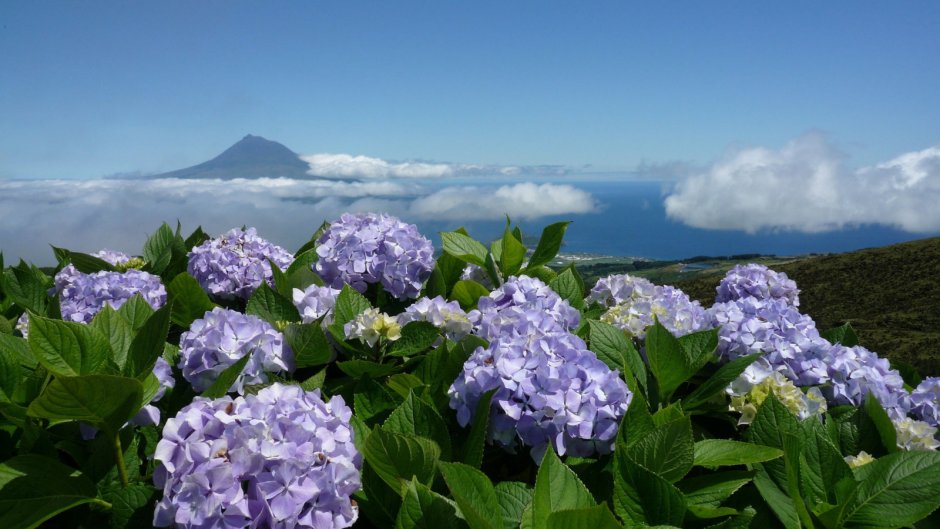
{"points": [[891, 295]]}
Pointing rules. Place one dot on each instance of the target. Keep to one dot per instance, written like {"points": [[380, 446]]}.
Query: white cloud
{"points": [[87, 215], [522, 201], [366, 167], [807, 186]]}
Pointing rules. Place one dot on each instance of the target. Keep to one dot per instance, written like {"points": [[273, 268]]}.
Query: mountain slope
{"points": [[251, 157], [890, 295]]}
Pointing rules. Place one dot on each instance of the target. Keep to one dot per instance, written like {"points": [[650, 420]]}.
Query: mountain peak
{"points": [[250, 157]]}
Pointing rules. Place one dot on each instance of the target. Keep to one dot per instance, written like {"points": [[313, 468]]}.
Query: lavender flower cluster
{"points": [[84, 295], [634, 302], [761, 317], [315, 302], [550, 389], [222, 337], [517, 298], [758, 281], [365, 249], [925, 401], [234, 264], [283, 458]]}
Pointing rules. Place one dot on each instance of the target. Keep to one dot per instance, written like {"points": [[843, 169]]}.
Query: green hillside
{"points": [[891, 296]]}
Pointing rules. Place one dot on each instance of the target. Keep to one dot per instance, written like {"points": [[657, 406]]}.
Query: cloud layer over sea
{"points": [[86, 215]]}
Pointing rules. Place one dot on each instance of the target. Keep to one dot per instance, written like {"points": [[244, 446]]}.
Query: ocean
{"points": [[632, 221]]}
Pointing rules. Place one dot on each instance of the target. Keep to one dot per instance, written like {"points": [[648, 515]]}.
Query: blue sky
{"points": [[95, 88]]}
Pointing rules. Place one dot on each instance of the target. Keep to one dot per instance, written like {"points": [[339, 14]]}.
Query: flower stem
{"points": [[119, 459]]}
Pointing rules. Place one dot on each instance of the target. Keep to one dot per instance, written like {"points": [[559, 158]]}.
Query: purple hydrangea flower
{"points": [[754, 280], [788, 340], [234, 264], [221, 338], [528, 294], [925, 401], [549, 389], [283, 458], [445, 315], [84, 295], [365, 249], [635, 302], [315, 302], [854, 372]]}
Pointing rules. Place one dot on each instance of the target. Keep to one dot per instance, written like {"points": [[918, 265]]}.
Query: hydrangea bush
{"points": [[363, 382]]}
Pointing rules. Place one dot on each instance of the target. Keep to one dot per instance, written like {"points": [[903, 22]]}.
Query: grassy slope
{"points": [[891, 296]]}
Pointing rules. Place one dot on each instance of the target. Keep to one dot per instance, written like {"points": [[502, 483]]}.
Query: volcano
{"points": [[251, 157]]}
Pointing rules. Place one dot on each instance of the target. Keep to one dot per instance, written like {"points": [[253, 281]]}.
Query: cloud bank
{"points": [[87, 215], [807, 186], [366, 167]]}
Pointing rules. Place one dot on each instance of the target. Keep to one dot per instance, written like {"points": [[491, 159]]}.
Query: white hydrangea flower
{"points": [[863, 458], [915, 435], [370, 325]]}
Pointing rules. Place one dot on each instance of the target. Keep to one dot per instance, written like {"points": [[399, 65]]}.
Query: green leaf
{"points": [[643, 497], [416, 337], [314, 382], [791, 449], [613, 348], [111, 324], [474, 494], [666, 450], [361, 368], [468, 292], [844, 335], [464, 247], [27, 286], [158, 248], [879, 417], [479, 428], [305, 260], [397, 457], [597, 517], [513, 497], [68, 348], [309, 344], [415, 417], [349, 304], [197, 237], [422, 508], [270, 306], [822, 464], [549, 244], [136, 311], [557, 488], [148, 344], [699, 348], [89, 264], [404, 383], [714, 488], [636, 424], [726, 452], [312, 243], [772, 422], [779, 502], [542, 273], [33, 489], [567, 286], [223, 384], [190, 301], [674, 361], [719, 381], [132, 506], [103, 401], [898, 490], [512, 255]]}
